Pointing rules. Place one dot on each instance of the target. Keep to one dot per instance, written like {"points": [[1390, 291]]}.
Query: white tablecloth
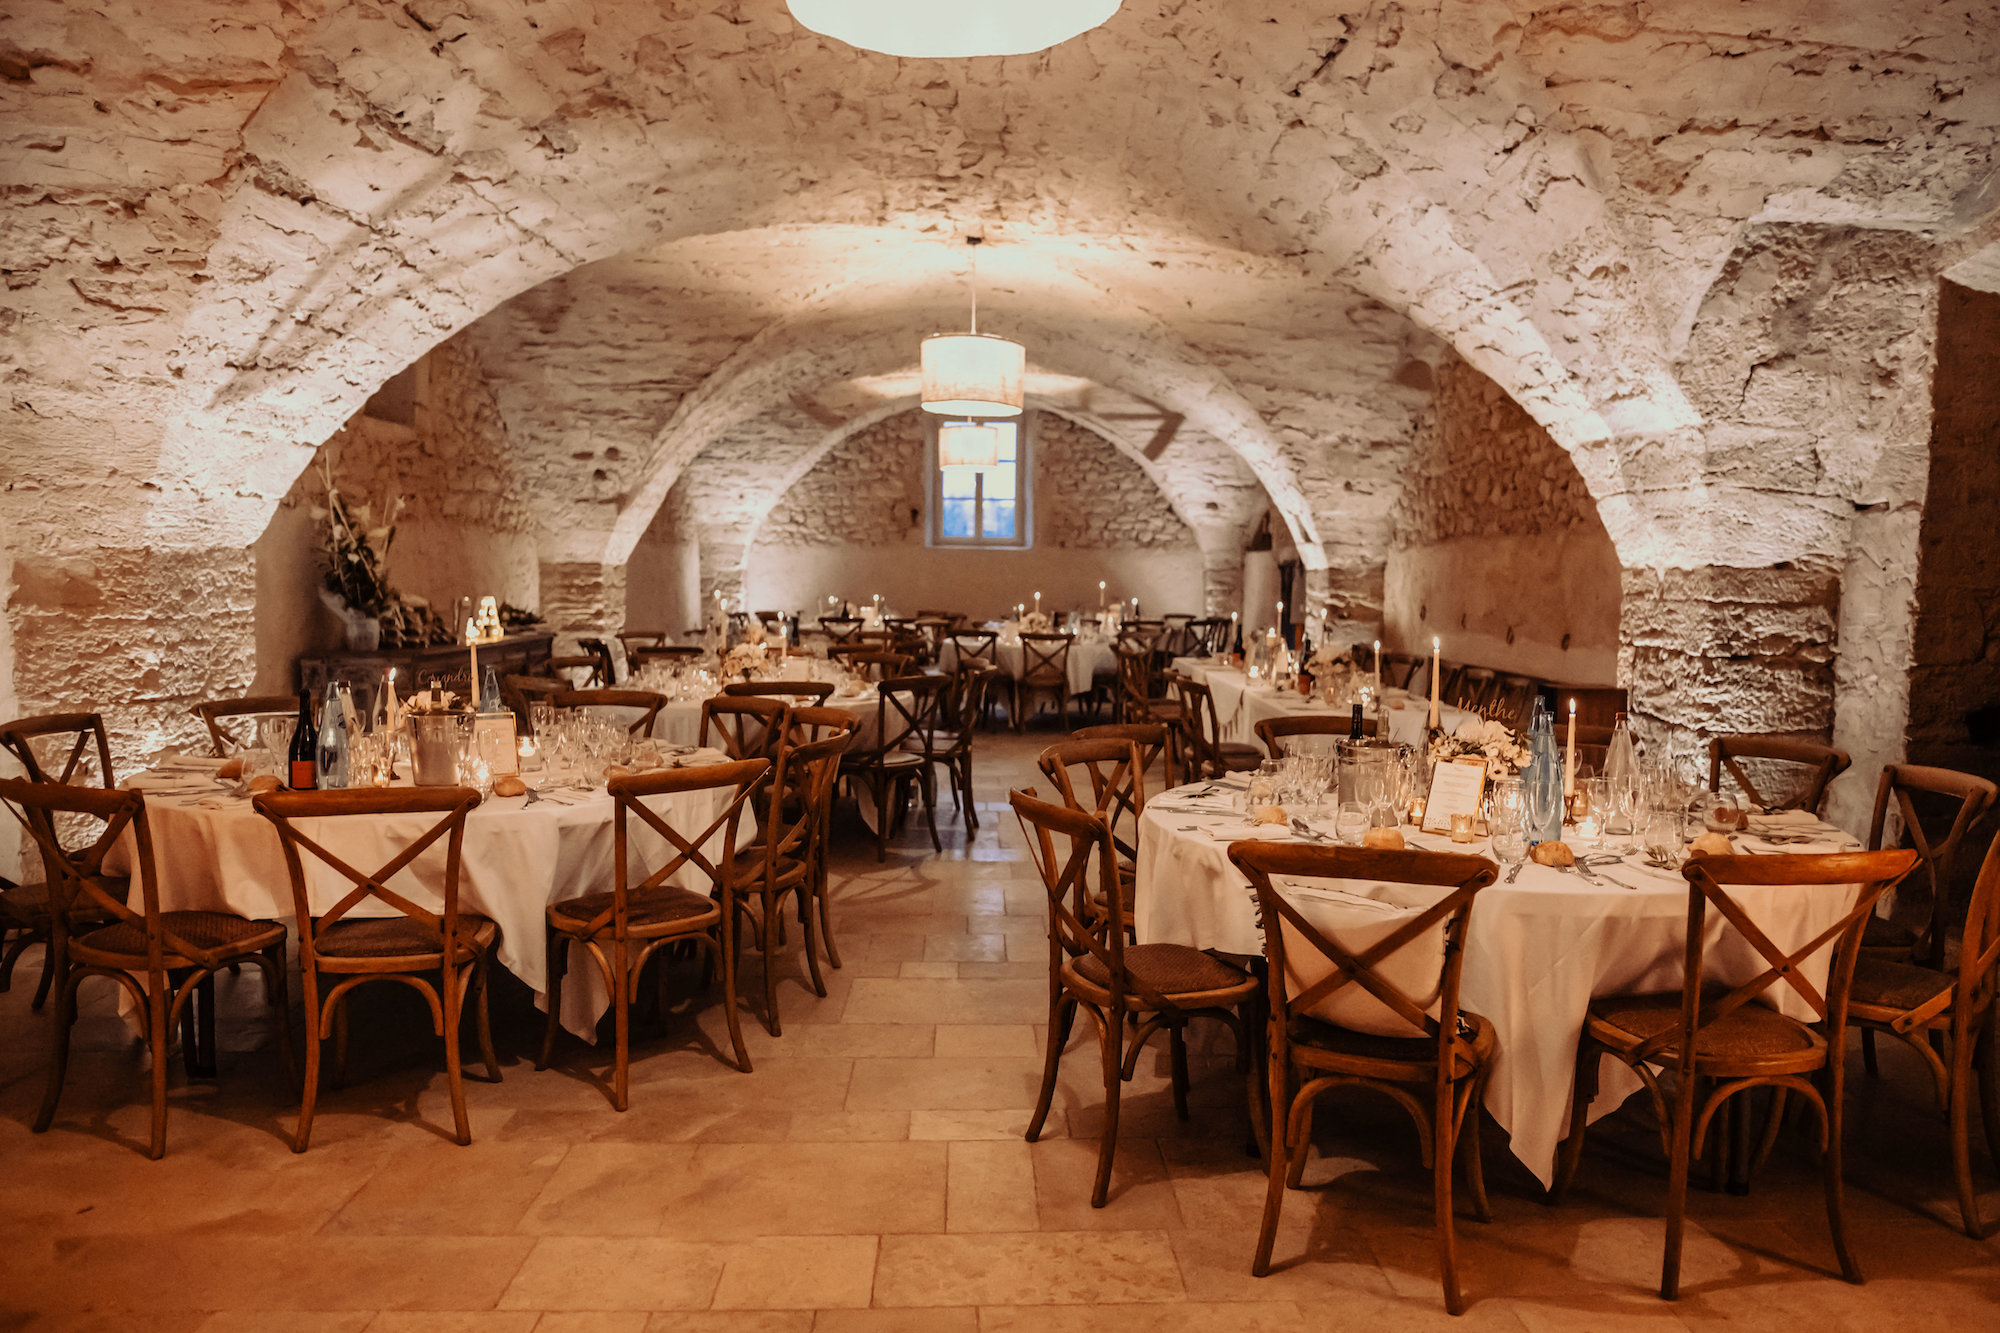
{"points": [[1090, 656], [516, 860], [1538, 951]]}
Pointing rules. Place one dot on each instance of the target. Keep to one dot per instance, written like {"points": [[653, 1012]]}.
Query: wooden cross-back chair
{"points": [[981, 647], [352, 950], [906, 722], [644, 702], [1208, 634], [1158, 743], [782, 863], [805, 726], [214, 712], [1473, 687], [621, 928], [1105, 778], [1436, 1072], [1177, 638], [1273, 732], [520, 692], [1399, 670], [1919, 1005], [1210, 755], [1130, 991], [817, 722], [594, 678], [963, 706], [166, 961], [84, 735], [1720, 1039], [632, 640], [873, 664], [842, 629], [1139, 697], [1905, 784], [1044, 671], [1822, 764], [806, 692], [743, 726]]}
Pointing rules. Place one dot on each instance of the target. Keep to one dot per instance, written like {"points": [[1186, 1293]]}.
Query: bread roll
{"points": [[1712, 844], [230, 768], [264, 782], [1270, 814], [509, 785], [1552, 854], [1387, 839]]}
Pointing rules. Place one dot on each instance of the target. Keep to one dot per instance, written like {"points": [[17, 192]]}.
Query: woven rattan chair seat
{"points": [[28, 904], [399, 937], [1884, 988], [212, 931], [663, 906], [1882, 933], [1752, 1032], [1170, 969], [1419, 1053]]}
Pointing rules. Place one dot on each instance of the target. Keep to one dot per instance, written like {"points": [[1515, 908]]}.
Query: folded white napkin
{"points": [[1785, 821]]}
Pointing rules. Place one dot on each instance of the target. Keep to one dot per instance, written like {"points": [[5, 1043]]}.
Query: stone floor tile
{"points": [[593, 1321], [1010, 1123], [1191, 1317], [737, 1191], [1141, 1197], [939, 1084], [967, 948], [731, 1321], [455, 1321], [919, 1001], [481, 1188], [259, 1321], [929, 970], [992, 1187], [615, 1273], [1013, 1040], [1049, 1268], [897, 1321], [798, 1272], [608, 1189]]}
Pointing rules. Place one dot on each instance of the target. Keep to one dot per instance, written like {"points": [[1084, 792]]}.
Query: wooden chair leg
{"points": [[59, 1027], [621, 1026], [725, 950], [1583, 1091], [927, 784], [1677, 1183], [1111, 1040], [158, 990], [1959, 1119], [1061, 1011], [453, 983], [51, 966], [1475, 1169], [802, 900], [767, 930], [558, 963], [823, 906], [309, 1086], [1177, 1052], [1830, 1169], [482, 977], [1280, 1171], [1444, 1160]]}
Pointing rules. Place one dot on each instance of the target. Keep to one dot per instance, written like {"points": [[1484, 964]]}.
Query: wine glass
{"points": [[1350, 822]]}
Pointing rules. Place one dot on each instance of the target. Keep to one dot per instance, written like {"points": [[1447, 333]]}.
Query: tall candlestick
{"points": [[472, 645], [1100, 594], [1038, 603], [394, 712], [1569, 755], [1433, 723], [1378, 673]]}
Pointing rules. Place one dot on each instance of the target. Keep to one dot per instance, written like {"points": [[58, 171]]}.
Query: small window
{"points": [[984, 506]]}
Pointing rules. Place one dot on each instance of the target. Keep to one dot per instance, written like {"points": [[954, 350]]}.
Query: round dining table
{"points": [[1241, 703], [213, 852], [1538, 948], [1091, 655]]}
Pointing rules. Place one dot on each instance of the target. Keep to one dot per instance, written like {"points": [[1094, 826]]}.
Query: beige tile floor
{"points": [[871, 1175]]}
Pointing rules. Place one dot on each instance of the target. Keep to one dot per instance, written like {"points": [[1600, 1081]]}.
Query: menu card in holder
{"points": [[1455, 790]]}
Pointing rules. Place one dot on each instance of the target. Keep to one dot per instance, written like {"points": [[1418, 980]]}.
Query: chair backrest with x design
{"points": [[1821, 764], [744, 726], [213, 712], [1711, 880], [1979, 948], [805, 692], [788, 814], [976, 645], [1135, 674], [711, 851], [842, 629], [1082, 868], [1906, 782], [1198, 716], [75, 730], [644, 703], [816, 723], [1154, 739], [907, 709], [1106, 778], [74, 870], [1323, 967], [876, 664], [370, 889], [1045, 659]]}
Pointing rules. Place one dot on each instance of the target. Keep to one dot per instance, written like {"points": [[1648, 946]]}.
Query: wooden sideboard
{"points": [[416, 668]]}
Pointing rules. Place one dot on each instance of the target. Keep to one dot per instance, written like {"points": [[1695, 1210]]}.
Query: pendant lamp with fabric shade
{"points": [[973, 374], [929, 29], [968, 444]]}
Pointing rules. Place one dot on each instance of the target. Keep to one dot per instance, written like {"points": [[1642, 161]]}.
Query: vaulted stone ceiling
{"points": [[1696, 241]]}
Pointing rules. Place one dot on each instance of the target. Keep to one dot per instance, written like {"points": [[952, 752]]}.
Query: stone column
{"points": [[1721, 650], [1221, 579], [583, 598]]}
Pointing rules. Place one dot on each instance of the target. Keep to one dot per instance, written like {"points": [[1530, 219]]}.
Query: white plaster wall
{"points": [[1542, 606]]}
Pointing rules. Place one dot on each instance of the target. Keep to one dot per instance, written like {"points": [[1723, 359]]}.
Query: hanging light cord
{"points": [[974, 241]]}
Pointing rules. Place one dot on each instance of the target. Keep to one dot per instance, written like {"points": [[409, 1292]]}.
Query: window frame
{"points": [[1024, 493]]}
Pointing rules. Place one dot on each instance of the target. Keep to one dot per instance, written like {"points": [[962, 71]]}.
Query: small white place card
{"points": [[1455, 790], [493, 740]]}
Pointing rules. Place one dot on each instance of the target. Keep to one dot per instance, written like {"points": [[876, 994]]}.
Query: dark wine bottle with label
{"points": [[1354, 732], [304, 755]]}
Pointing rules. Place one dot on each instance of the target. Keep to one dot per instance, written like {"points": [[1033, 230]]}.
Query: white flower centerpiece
{"points": [[1485, 738], [1037, 622], [1338, 676], [748, 660]]}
